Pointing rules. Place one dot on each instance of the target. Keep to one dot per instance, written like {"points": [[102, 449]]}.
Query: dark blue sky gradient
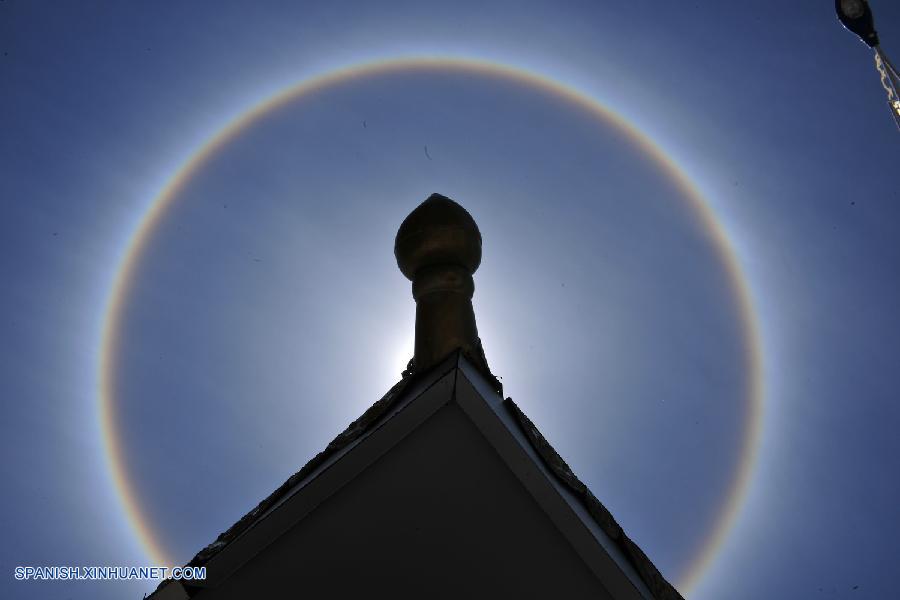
{"points": [[600, 300]]}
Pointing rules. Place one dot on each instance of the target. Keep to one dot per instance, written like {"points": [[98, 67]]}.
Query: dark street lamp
{"points": [[856, 16]]}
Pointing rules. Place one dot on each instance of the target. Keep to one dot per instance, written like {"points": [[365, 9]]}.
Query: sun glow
{"points": [[401, 354]]}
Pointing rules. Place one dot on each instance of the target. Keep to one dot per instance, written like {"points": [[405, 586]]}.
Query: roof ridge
{"points": [[352, 432], [649, 574]]}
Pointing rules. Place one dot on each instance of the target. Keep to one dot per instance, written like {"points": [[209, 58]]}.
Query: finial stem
{"points": [[445, 319]]}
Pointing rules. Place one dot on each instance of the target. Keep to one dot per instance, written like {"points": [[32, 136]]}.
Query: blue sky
{"points": [[601, 301]]}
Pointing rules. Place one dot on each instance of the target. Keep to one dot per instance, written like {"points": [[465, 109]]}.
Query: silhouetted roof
{"points": [[658, 586]]}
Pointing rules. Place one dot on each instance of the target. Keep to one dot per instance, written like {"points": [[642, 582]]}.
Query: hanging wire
{"points": [[890, 80]]}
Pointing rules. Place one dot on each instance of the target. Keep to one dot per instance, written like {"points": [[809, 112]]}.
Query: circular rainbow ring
{"points": [[127, 271]]}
